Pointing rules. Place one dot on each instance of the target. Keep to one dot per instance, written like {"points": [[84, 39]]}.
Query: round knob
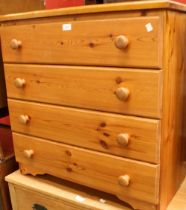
{"points": [[122, 93], [121, 42], [123, 139], [124, 180], [28, 153], [19, 83], [15, 44], [24, 119]]}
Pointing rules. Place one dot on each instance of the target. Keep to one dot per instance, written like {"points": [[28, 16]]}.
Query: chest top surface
{"points": [[91, 9]]}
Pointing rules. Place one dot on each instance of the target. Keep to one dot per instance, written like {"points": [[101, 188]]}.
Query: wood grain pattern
{"points": [[169, 27], [52, 189], [59, 194], [87, 17], [83, 45], [93, 130], [126, 6], [88, 87], [172, 145], [89, 168]]}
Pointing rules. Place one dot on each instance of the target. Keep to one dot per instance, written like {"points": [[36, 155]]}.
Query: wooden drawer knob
{"points": [[15, 44], [122, 93], [28, 153], [19, 83], [124, 180], [24, 119], [121, 42], [123, 139]]}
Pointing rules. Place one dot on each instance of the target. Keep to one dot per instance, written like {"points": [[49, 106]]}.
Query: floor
{"points": [[179, 201]]}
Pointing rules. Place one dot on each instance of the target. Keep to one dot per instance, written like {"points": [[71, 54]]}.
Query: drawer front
{"points": [[129, 178], [126, 136], [37, 201], [88, 87], [92, 42]]}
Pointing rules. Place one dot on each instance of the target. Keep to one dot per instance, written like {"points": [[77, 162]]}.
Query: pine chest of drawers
{"points": [[96, 96]]}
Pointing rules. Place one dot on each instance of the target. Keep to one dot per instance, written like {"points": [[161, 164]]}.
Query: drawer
{"points": [[133, 42], [126, 136], [127, 91], [128, 179], [54, 194]]}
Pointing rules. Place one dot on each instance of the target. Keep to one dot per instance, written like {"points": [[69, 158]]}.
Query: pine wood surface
{"points": [[89, 168], [173, 144], [51, 192], [126, 6], [88, 87], [93, 130], [47, 190], [170, 51], [83, 45]]}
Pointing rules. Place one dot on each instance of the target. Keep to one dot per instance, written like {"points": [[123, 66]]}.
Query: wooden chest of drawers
{"points": [[96, 96]]}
